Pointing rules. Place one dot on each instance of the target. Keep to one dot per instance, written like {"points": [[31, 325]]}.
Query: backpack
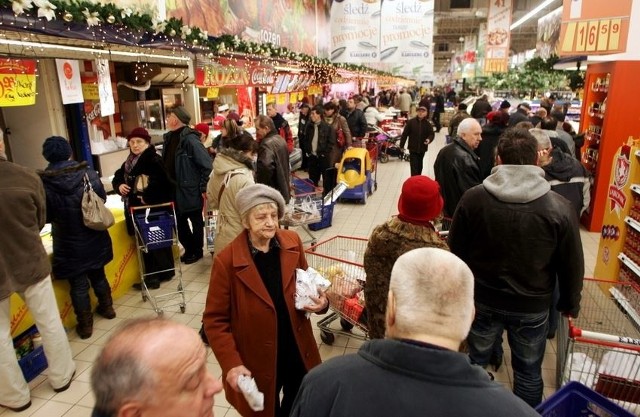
{"points": [[285, 133]]}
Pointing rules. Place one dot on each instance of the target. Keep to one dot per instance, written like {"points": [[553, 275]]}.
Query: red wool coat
{"points": [[240, 318]]}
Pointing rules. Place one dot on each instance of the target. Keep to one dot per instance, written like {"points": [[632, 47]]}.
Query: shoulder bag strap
{"points": [[227, 178]]}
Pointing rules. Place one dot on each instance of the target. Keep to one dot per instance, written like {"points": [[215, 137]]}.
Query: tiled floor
{"points": [[349, 219]]}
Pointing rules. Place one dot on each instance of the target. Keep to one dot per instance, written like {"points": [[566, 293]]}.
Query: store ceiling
{"points": [[453, 23]]}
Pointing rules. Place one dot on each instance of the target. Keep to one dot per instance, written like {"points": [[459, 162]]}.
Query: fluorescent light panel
{"points": [[87, 50], [532, 13]]}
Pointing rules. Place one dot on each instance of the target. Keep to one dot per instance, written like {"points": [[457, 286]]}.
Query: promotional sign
{"points": [[355, 31], [90, 87], [498, 36], [240, 74], [69, 80], [589, 28], [406, 37], [290, 24], [549, 34], [107, 104], [17, 82]]}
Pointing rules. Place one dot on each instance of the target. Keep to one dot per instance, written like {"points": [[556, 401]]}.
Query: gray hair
{"points": [[433, 290], [544, 142], [120, 373], [265, 122], [466, 125]]}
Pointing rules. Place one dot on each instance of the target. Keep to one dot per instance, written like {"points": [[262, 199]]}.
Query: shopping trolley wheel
{"points": [[313, 243], [345, 325], [384, 158], [183, 308], [144, 298], [327, 338]]}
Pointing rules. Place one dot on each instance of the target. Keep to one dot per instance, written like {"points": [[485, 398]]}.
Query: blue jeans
{"points": [[527, 336], [79, 290]]}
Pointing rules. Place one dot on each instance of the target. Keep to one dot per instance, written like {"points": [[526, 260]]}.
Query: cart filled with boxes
{"points": [[340, 260], [155, 229]]}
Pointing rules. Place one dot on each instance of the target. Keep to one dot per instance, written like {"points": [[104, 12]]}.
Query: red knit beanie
{"points": [[420, 201]]}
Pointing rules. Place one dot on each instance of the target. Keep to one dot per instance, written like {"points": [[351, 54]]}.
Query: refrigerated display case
{"points": [[608, 120]]}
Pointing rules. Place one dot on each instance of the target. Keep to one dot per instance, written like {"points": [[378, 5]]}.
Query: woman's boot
{"points": [[85, 324], [105, 306]]}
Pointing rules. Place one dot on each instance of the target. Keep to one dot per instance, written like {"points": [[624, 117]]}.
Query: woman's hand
{"points": [[124, 189], [234, 373], [320, 303]]}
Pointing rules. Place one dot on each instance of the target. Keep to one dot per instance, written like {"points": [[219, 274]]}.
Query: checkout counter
{"points": [[122, 272]]}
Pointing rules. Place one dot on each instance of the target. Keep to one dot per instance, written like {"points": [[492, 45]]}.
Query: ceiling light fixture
{"points": [[532, 13]]}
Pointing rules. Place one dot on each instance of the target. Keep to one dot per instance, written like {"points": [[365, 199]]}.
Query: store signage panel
{"points": [[548, 39], [90, 89], [69, 80], [589, 28], [17, 82], [107, 104], [236, 75], [355, 31], [498, 36]]}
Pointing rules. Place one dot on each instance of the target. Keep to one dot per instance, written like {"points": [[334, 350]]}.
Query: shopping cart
{"points": [[210, 224], [307, 208], [340, 260], [155, 229], [601, 348]]}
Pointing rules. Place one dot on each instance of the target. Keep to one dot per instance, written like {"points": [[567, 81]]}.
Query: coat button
{"points": [[299, 328], [306, 355]]}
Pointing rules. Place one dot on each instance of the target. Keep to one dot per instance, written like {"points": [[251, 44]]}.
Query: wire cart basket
{"points": [[601, 348], [155, 228], [210, 225], [307, 208], [340, 260]]}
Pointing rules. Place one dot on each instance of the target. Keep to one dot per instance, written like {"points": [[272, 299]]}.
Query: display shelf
{"points": [[629, 263], [632, 223]]}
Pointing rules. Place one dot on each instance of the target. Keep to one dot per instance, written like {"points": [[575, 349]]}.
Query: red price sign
{"points": [[17, 82]]}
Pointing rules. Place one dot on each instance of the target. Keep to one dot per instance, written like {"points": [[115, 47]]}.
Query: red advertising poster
{"points": [[498, 36], [285, 23], [17, 82]]}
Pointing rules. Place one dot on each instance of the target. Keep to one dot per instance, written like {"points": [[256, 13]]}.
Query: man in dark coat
{"points": [[496, 124], [272, 166], [456, 167], [25, 270], [416, 370], [480, 109], [188, 166], [438, 109], [516, 236], [355, 119], [319, 146], [420, 133], [281, 126], [520, 115]]}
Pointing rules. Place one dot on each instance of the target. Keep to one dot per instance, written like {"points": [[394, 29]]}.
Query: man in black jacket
{"points": [[480, 109], [420, 134], [319, 145], [355, 119], [457, 166], [416, 370], [272, 166], [517, 235]]}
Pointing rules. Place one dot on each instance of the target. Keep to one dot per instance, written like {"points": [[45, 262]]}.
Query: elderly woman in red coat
{"points": [[250, 318]]}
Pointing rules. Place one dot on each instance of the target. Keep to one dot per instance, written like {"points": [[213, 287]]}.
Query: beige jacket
{"points": [[234, 169]]}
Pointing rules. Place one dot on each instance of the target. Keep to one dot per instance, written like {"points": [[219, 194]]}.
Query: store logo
{"points": [[620, 179]]}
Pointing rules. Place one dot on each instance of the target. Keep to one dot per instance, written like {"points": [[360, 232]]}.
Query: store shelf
{"points": [[635, 188], [629, 263], [632, 223]]}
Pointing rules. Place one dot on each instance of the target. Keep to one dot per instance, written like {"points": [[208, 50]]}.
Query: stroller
{"points": [[389, 144]]}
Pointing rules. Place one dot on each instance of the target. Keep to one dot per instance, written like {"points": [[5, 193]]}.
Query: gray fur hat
{"points": [[253, 195]]}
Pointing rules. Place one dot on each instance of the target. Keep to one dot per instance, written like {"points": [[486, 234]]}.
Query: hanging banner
{"points": [[239, 73], [107, 104], [498, 36], [406, 37], [549, 34], [589, 28], [69, 80], [355, 31], [17, 82]]}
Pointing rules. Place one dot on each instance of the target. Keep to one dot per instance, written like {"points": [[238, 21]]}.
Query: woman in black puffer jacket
{"points": [[79, 253]]}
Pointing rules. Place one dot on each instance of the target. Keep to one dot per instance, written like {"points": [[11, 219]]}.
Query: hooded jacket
{"points": [[76, 248], [387, 242], [570, 179], [23, 259], [517, 235], [234, 169]]}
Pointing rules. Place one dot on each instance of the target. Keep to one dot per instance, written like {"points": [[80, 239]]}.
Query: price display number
{"points": [[598, 36]]}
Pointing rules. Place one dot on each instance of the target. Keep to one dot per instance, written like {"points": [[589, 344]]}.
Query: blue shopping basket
{"points": [[575, 400], [156, 229]]}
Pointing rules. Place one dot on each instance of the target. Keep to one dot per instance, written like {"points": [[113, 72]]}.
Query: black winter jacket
{"points": [[272, 167], [326, 139], [517, 236], [570, 179], [456, 170], [76, 248], [357, 122], [418, 131], [487, 148], [158, 191]]}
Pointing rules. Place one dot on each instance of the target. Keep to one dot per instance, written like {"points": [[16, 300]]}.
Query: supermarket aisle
{"points": [[350, 219]]}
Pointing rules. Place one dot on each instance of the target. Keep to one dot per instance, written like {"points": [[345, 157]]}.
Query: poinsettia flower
{"points": [[45, 9], [204, 34], [126, 12], [91, 17], [186, 30], [18, 6], [159, 26]]}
